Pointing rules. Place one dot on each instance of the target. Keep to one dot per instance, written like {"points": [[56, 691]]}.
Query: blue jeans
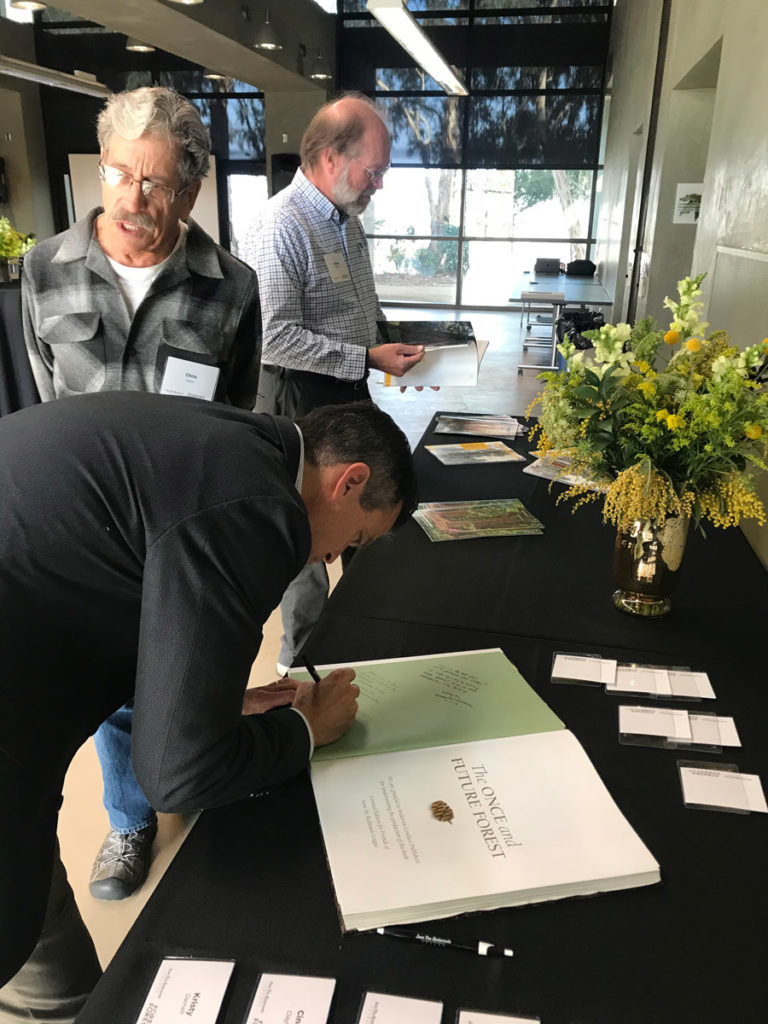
{"points": [[126, 805]]}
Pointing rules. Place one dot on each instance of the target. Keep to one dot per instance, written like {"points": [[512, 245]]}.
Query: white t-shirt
{"points": [[135, 282]]}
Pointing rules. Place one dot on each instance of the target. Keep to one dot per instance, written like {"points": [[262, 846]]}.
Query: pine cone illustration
{"points": [[442, 811]]}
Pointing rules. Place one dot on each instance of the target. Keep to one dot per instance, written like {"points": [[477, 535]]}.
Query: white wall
{"points": [[722, 131]]}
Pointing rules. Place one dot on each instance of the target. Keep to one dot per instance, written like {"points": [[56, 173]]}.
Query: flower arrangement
{"points": [[13, 244], [672, 423]]}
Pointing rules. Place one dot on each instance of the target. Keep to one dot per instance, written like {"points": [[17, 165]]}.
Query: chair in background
{"points": [[547, 300]]}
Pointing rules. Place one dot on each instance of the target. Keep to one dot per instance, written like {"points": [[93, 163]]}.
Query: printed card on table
{"points": [[186, 989], [671, 723], [291, 999], [581, 668], [384, 1009], [714, 730], [709, 787], [690, 684]]}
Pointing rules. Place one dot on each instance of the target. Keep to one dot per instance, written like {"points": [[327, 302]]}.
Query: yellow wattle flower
{"points": [[753, 430], [662, 414], [674, 421], [672, 337], [693, 344]]}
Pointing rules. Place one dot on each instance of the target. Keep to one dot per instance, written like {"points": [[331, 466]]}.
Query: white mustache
{"points": [[140, 220]]}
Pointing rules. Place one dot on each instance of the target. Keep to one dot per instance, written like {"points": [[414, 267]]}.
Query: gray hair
{"points": [[330, 129], [161, 112]]}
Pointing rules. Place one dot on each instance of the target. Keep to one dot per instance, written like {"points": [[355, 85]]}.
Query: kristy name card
{"points": [[186, 989]]}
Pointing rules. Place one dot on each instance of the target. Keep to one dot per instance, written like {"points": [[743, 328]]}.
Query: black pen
{"points": [[481, 948], [310, 668]]}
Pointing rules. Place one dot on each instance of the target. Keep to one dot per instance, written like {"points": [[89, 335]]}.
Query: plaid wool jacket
{"points": [[203, 306]]}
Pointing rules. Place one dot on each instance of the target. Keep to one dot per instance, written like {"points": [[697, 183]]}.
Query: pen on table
{"points": [[481, 948], [311, 669]]}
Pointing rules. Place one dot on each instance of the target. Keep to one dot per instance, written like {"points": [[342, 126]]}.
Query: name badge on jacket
{"points": [[188, 379], [337, 267]]}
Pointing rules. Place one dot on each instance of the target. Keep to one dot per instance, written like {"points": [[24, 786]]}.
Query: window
{"points": [[482, 185]]}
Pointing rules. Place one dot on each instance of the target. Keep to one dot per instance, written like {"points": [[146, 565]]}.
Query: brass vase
{"points": [[646, 565]]}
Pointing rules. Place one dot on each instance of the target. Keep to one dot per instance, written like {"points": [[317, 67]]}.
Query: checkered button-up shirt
{"points": [[311, 321], [202, 307]]}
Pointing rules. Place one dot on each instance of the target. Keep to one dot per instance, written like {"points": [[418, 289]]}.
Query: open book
{"points": [[513, 813], [452, 355]]}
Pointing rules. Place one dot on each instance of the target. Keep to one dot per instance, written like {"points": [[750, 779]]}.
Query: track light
{"points": [[136, 46], [266, 37], [321, 72]]}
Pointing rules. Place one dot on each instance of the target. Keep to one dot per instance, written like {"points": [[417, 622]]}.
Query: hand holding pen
{"points": [[328, 704]]}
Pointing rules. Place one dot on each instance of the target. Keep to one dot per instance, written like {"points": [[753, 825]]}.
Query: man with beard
{"points": [[318, 298], [136, 297]]}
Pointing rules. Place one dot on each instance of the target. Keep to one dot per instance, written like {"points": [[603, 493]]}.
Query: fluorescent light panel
{"points": [[403, 27]]}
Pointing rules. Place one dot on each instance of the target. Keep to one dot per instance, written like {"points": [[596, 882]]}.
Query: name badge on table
{"points": [[186, 988], [337, 267], [291, 999], [189, 379]]}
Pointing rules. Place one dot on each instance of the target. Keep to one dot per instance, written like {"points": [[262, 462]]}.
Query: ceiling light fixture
{"points": [[213, 76], [136, 46], [321, 72], [27, 5], [47, 76], [187, 3], [403, 27], [266, 37]]}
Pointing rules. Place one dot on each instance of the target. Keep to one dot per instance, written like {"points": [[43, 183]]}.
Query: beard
{"points": [[349, 199]]}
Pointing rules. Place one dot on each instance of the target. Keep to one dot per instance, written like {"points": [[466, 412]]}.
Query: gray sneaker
{"points": [[121, 864]]}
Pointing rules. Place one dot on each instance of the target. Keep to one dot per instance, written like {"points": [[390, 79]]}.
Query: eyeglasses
{"points": [[379, 172], [116, 178]]}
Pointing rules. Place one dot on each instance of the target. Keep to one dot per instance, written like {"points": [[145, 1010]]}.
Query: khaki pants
{"points": [[54, 983]]}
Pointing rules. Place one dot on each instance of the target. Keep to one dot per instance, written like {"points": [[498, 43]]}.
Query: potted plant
{"points": [[13, 246], [673, 425]]}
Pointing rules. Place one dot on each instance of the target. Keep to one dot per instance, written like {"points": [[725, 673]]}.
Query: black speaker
{"points": [[282, 168]]}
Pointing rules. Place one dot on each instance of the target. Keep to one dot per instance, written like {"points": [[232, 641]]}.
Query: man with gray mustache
{"points": [[137, 297]]}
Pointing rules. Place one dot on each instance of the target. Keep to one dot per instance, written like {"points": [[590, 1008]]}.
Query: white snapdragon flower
{"points": [[720, 366], [748, 359], [609, 343]]}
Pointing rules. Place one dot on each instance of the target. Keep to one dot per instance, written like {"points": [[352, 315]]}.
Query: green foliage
{"points": [[676, 431], [532, 187], [442, 256], [398, 256], [13, 244]]}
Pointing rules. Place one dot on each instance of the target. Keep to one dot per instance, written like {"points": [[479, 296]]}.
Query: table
{"points": [[251, 881], [576, 291]]}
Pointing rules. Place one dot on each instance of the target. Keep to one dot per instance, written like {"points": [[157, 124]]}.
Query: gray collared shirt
{"points": [[203, 307], [311, 321]]}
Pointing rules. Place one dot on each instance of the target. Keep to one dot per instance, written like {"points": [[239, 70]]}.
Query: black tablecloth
{"points": [[557, 585], [251, 880]]}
